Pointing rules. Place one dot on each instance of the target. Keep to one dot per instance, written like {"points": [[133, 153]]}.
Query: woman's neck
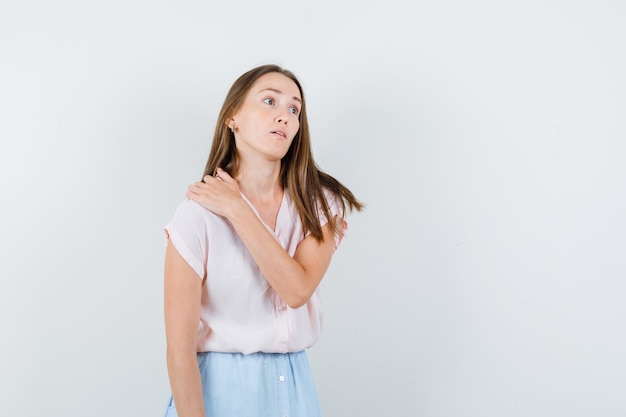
{"points": [[260, 183]]}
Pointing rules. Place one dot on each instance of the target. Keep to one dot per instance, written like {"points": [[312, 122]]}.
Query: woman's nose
{"points": [[281, 117]]}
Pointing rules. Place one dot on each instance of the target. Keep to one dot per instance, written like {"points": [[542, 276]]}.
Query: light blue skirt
{"points": [[256, 385]]}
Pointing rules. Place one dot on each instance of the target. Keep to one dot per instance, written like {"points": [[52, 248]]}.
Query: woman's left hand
{"points": [[219, 194]]}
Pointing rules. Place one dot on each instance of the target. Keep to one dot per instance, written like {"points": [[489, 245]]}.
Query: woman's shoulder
{"points": [[190, 207], [190, 211], [334, 201]]}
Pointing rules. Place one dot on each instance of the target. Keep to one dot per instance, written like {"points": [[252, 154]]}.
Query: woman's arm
{"points": [[182, 297], [294, 279]]}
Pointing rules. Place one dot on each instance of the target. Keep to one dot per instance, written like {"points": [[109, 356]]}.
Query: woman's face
{"points": [[268, 119]]}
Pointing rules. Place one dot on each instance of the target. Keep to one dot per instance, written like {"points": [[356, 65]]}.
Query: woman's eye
{"points": [[294, 110], [269, 101]]}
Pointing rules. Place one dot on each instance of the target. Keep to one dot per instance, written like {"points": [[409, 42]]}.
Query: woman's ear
{"points": [[231, 124]]}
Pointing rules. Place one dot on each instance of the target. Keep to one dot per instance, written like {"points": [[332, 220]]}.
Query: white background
{"points": [[487, 138]]}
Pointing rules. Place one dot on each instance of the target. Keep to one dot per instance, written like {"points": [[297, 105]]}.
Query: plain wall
{"points": [[485, 278]]}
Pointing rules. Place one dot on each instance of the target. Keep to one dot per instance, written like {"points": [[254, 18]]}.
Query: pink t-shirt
{"points": [[240, 311]]}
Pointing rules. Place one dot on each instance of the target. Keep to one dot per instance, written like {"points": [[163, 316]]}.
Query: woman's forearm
{"points": [[293, 281], [186, 384]]}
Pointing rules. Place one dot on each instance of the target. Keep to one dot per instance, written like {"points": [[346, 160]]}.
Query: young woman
{"points": [[245, 254]]}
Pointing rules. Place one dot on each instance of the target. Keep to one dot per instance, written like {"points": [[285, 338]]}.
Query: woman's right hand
{"points": [[219, 194]]}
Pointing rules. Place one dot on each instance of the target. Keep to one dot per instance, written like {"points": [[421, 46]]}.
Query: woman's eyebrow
{"points": [[279, 92]]}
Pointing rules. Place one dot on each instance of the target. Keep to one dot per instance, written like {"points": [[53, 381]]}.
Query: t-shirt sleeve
{"points": [[188, 233], [336, 211]]}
